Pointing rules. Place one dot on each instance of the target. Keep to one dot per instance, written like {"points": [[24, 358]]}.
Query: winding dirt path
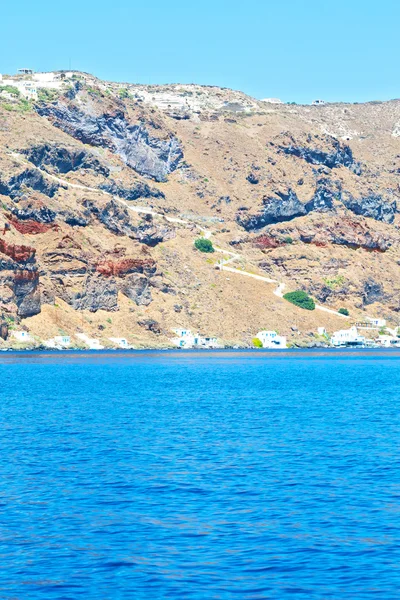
{"points": [[221, 265]]}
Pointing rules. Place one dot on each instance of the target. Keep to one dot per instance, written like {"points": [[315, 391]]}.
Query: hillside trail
{"points": [[207, 233]]}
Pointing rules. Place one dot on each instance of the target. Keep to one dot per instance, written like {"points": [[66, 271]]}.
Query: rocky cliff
{"points": [[104, 188]]}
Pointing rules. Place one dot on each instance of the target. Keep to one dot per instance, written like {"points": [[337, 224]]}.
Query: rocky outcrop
{"points": [[126, 266], [325, 193], [282, 207], [372, 292], [31, 227], [266, 242], [343, 231], [117, 219], [139, 190], [19, 279], [26, 292], [286, 206], [373, 206], [32, 217], [252, 178], [147, 155], [28, 179], [18, 253], [63, 160], [33, 211], [98, 293], [336, 154], [137, 288], [150, 325]]}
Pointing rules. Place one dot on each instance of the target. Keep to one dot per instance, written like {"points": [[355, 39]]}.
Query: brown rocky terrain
{"points": [[104, 188]]}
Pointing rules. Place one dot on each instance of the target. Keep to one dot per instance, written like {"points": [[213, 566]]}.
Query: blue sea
{"points": [[200, 475]]}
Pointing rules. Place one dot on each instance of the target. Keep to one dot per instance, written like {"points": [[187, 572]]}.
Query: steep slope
{"points": [[104, 188]]}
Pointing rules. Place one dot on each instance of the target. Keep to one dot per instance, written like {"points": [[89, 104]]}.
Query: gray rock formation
{"points": [[373, 206], [287, 206], [98, 293], [26, 292], [63, 159], [139, 190], [149, 156], [117, 219], [30, 178], [137, 288], [282, 207], [339, 155]]}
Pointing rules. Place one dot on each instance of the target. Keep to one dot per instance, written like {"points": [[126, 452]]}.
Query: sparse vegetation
{"points": [[94, 91], [21, 106], [10, 89], [204, 245], [301, 299], [123, 93], [288, 240], [334, 282], [257, 343], [343, 311], [47, 95]]}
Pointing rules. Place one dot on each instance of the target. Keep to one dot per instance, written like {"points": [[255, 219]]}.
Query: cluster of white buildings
{"points": [[270, 339], [386, 338], [186, 339], [28, 83]]}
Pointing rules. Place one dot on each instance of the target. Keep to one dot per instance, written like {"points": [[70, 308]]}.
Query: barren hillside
{"points": [[105, 187]]}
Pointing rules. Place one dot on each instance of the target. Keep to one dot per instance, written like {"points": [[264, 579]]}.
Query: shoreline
{"points": [[199, 351]]}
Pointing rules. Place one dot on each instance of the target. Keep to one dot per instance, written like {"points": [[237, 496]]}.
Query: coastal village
{"points": [[373, 333]]}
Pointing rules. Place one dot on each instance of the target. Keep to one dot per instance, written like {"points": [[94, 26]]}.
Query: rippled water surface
{"points": [[200, 475]]}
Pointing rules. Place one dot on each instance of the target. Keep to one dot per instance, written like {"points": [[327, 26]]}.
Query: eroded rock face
{"points": [[343, 231], [325, 193], [150, 325], [116, 218], [30, 178], [126, 266], [18, 253], [373, 292], [140, 190], [147, 155], [137, 288], [373, 206], [334, 154], [19, 279], [98, 293], [33, 211], [283, 207], [286, 206], [26, 292], [63, 159]]}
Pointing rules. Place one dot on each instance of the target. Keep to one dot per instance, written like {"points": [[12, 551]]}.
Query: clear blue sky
{"points": [[292, 49]]}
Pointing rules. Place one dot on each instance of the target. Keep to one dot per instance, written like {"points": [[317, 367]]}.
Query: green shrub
{"points": [[288, 240], [204, 245], [20, 106], [10, 89], [343, 311], [257, 343], [334, 282], [300, 299], [123, 93], [47, 95]]}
